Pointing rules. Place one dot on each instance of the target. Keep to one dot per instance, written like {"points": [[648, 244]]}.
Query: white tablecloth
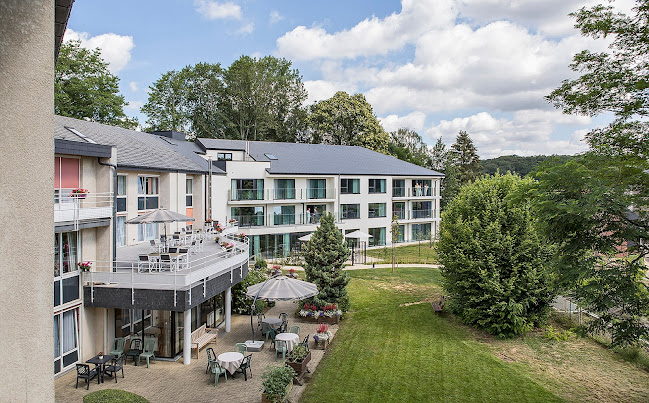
{"points": [[291, 339], [274, 322], [230, 361]]}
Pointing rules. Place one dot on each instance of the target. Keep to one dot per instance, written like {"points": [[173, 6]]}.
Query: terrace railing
{"points": [[69, 207]]}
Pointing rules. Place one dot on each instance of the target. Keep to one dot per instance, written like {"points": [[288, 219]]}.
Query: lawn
{"points": [[393, 348], [409, 254]]}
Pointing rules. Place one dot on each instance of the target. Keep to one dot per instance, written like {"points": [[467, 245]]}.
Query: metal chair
{"points": [[245, 366], [240, 348], [118, 347], [143, 263], [116, 365], [165, 261], [84, 372]]}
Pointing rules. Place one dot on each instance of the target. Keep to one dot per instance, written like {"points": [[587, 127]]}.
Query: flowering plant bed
{"points": [[322, 337], [327, 314], [291, 273]]}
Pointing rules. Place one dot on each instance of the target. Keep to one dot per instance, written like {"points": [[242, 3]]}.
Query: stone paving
{"points": [[167, 381]]}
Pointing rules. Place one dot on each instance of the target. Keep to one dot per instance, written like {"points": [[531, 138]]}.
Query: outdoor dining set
{"points": [[172, 253]]}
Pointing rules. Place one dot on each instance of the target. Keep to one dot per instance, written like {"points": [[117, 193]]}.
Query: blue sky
{"points": [[436, 66]]}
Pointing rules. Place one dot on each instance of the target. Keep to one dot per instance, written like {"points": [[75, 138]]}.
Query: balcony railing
{"points": [[412, 192], [414, 214], [256, 220], [398, 192], [184, 274], [78, 207], [247, 194], [284, 194], [283, 219]]}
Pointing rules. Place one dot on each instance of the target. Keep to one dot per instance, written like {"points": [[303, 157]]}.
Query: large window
{"points": [[420, 232], [349, 211], [248, 216], [247, 189], [400, 236], [398, 188], [317, 188], [284, 189], [314, 212], [378, 236], [120, 229], [284, 215], [421, 187], [66, 274], [399, 210], [350, 186], [376, 186], [189, 192], [422, 209], [376, 210], [121, 193], [224, 156], [66, 339], [147, 192], [146, 232]]}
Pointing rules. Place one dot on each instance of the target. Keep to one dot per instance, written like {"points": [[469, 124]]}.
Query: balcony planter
{"points": [[326, 314], [79, 193], [298, 360]]}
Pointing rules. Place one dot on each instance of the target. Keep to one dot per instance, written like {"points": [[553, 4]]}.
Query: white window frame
{"points": [[189, 196]]}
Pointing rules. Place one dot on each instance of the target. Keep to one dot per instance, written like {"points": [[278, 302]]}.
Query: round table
{"points": [[230, 361], [291, 340], [274, 322]]}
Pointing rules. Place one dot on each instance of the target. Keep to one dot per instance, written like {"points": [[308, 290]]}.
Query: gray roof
{"points": [[314, 159], [136, 150]]}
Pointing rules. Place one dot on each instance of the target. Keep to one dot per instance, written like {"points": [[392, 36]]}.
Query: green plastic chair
{"points": [[118, 347], [281, 347], [265, 329], [240, 348], [294, 329], [149, 348], [216, 369]]}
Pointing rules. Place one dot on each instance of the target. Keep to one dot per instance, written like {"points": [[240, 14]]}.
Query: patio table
{"points": [[100, 361], [230, 361], [273, 322], [291, 339]]}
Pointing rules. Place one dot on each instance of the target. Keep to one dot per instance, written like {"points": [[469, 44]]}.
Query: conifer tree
{"points": [[466, 158], [325, 255]]}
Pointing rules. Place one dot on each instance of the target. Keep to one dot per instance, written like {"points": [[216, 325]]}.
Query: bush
{"points": [[113, 396], [494, 262], [240, 302], [558, 335], [275, 380]]}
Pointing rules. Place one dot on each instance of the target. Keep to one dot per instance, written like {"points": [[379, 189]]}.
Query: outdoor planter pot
{"points": [[320, 319], [265, 398], [299, 367]]}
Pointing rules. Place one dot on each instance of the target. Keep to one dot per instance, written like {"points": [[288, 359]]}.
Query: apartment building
{"points": [[279, 191]]}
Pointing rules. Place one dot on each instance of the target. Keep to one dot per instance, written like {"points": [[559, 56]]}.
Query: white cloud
{"points": [[133, 86], [246, 29], [214, 10], [319, 90], [529, 132], [372, 36], [414, 121], [134, 106], [274, 17], [115, 49]]}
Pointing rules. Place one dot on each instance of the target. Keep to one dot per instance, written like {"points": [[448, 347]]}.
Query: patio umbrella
{"points": [[159, 215], [359, 235], [305, 238]]}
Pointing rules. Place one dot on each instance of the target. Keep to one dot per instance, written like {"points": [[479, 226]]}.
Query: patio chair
{"points": [[165, 262], [240, 348], [283, 327], [118, 347], [173, 250], [200, 245], [210, 357], [216, 369], [294, 329], [143, 263], [305, 342], [116, 365], [84, 372], [266, 329], [272, 333], [154, 246], [283, 316], [245, 366], [193, 248], [134, 350], [176, 239], [149, 347], [281, 347], [260, 318]]}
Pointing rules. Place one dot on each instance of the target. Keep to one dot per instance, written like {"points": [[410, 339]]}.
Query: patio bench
{"points": [[201, 337]]}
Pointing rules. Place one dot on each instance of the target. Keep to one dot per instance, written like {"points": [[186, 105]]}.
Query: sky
{"points": [[434, 66]]}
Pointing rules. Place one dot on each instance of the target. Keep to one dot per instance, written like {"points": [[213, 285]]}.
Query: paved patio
{"points": [[168, 381]]}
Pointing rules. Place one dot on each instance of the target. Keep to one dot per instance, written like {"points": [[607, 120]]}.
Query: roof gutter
{"points": [[114, 257]]}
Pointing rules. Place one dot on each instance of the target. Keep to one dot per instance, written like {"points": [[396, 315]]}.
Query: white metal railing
{"points": [[69, 207], [182, 274]]}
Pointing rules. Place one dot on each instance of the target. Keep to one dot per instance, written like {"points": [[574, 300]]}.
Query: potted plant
{"points": [[276, 383], [291, 273], [84, 266], [322, 337], [227, 245], [79, 193], [208, 222], [298, 358], [232, 221]]}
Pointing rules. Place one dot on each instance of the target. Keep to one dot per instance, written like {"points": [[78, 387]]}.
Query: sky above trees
{"points": [[434, 66]]}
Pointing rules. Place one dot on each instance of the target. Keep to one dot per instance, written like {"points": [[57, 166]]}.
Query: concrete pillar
{"points": [[228, 309], [26, 189], [187, 337]]}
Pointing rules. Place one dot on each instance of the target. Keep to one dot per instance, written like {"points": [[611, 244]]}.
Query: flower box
{"points": [[265, 398]]}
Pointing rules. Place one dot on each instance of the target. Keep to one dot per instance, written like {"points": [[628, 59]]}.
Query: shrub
{"points": [[494, 262], [558, 335], [113, 396], [241, 303], [275, 380]]}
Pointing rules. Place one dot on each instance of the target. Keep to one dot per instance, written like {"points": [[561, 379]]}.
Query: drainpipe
{"points": [[114, 209]]}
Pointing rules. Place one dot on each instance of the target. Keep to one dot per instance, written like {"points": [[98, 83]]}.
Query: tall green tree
{"points": [[84, 88], [439, 155], [166, 107], [325, 255], [597, 204], [347, 120], [465, 157], [407, 145], [443, 160], [494, 262]]}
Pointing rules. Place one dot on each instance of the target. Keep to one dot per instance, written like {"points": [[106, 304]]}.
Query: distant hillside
{"points": [[514, 163]]}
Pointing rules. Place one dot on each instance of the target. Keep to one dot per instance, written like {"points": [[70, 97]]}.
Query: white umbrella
{"points": [[358, 235], [306, 237], [282, 288]]}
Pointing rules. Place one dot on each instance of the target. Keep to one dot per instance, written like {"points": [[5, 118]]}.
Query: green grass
{"points": [[409, 254], [391, 350], [113, 396]]}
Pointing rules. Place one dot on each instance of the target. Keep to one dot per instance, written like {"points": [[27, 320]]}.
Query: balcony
{"points": [[280, 195], [123, 284], [412, 192], [69, 208]]}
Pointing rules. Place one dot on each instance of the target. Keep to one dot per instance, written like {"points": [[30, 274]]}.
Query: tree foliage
{"points": [[595, 207], [494, 261], [407, 145], [516, 164], [84, 88], [346, 120], [256, 274], [465, 157], [325, 255]]}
